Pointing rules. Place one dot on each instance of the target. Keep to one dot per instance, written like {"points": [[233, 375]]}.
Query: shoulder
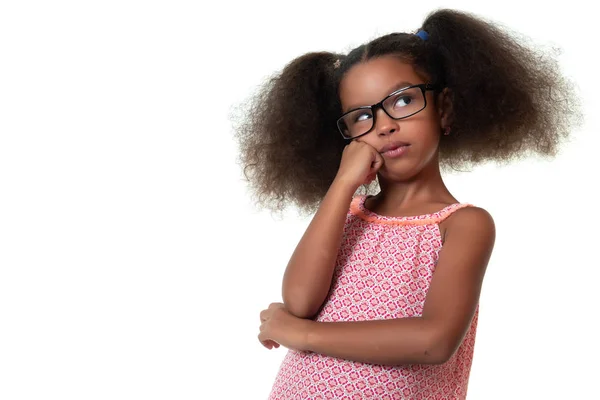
{"points": [[472, 216], [471, 224]]}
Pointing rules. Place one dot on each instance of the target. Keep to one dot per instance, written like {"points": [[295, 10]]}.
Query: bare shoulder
{"points": [[475, 216], [473, 224]]}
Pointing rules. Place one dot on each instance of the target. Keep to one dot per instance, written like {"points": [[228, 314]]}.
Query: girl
{"points": [[380, 297]]}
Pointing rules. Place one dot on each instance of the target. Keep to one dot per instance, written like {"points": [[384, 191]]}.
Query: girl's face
{"points": [[370, 82]]}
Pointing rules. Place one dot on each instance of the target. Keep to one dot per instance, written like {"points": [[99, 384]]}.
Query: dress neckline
{"points": [[358, 208]]}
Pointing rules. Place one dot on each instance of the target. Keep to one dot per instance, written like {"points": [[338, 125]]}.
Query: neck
{"points": [[427, 186]]}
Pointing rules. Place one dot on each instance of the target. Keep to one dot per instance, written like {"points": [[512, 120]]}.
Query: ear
{"points": [[444, 105]]}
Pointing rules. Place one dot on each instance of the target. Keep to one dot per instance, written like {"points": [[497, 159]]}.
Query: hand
{"points": [[360, 163], [279, 327]]}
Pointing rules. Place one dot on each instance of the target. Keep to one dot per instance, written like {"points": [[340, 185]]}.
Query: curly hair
{"points": [[509, 100]]}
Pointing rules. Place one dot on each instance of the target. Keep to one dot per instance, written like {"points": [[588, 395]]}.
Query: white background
{"points": [[132, 262]]}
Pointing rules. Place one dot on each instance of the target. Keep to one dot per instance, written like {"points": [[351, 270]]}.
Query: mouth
{"points": [[395, 151], [393, 146]]}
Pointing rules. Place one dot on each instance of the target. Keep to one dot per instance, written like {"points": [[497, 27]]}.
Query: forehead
{"points": [[368, 82]]}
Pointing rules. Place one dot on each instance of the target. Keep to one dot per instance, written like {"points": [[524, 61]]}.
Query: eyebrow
{"points": [[395, 87]]}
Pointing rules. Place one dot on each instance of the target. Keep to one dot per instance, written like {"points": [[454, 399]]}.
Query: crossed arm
{"points": [[432, 338]]}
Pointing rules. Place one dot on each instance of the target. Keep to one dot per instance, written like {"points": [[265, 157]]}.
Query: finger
{"points": [[378, 162], [268, 343], [262, 339], [265, 343], [264, 314]]}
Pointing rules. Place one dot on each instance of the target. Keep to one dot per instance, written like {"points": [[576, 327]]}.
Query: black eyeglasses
{"points": [[401, 104]]}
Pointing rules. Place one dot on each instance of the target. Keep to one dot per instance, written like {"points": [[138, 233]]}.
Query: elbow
{"points": [[440, 357], [299, 311], [440, 350], [298, 308], [436, 344]]}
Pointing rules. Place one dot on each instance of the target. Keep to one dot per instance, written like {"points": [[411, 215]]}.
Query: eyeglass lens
{"points": [[400, 105]]}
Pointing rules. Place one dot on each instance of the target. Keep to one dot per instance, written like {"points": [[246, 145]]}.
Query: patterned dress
{"points": [[382, 271]]}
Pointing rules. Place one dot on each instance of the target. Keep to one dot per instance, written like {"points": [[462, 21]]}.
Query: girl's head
{"points": [[500, 99], [412, 111]]}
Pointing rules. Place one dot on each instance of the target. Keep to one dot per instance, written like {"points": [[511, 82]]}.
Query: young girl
{"points": [[380, 297]]}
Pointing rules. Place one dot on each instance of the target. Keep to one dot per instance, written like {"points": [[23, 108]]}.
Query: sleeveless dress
{"points": [[382, 271]]}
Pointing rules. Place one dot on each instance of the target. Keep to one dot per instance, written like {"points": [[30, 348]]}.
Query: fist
{"points": [[359, 165]]}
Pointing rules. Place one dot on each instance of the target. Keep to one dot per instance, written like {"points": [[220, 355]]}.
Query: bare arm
{"points": [[308, 275], [449, 307], [307, 278]]}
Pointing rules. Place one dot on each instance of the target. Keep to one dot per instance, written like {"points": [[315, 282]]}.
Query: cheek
{"points": [[426, 131], [368, 140], [430, 137], [425, 141]]}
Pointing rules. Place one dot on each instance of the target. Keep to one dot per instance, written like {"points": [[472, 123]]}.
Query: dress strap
{"points": [[357, 207], [448, 211]]}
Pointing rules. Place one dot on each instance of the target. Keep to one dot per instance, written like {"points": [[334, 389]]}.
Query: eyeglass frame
{"points": [[424, 88]]}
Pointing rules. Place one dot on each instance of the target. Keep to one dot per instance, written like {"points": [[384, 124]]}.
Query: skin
{"points": [[410, 185]]}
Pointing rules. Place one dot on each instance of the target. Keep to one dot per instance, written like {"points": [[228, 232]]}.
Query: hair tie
{"points": [[422, 34]]}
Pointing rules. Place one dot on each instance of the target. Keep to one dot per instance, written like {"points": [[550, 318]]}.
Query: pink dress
{"points": [[383, 270]]}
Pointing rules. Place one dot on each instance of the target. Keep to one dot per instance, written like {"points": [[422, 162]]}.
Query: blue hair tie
{"points": [[422, 34]]}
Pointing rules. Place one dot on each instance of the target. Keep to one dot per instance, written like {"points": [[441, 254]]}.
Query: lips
{"points": [[392, 146]]}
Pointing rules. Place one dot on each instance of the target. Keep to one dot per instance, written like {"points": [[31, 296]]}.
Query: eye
{"points": [[362, 117], [403, 101]]}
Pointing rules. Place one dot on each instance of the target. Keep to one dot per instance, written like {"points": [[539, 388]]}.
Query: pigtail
{"points": [[509, 99], [289, 145]]}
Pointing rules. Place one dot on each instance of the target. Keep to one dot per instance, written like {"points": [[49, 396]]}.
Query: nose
{"points": [[384, 124]]}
